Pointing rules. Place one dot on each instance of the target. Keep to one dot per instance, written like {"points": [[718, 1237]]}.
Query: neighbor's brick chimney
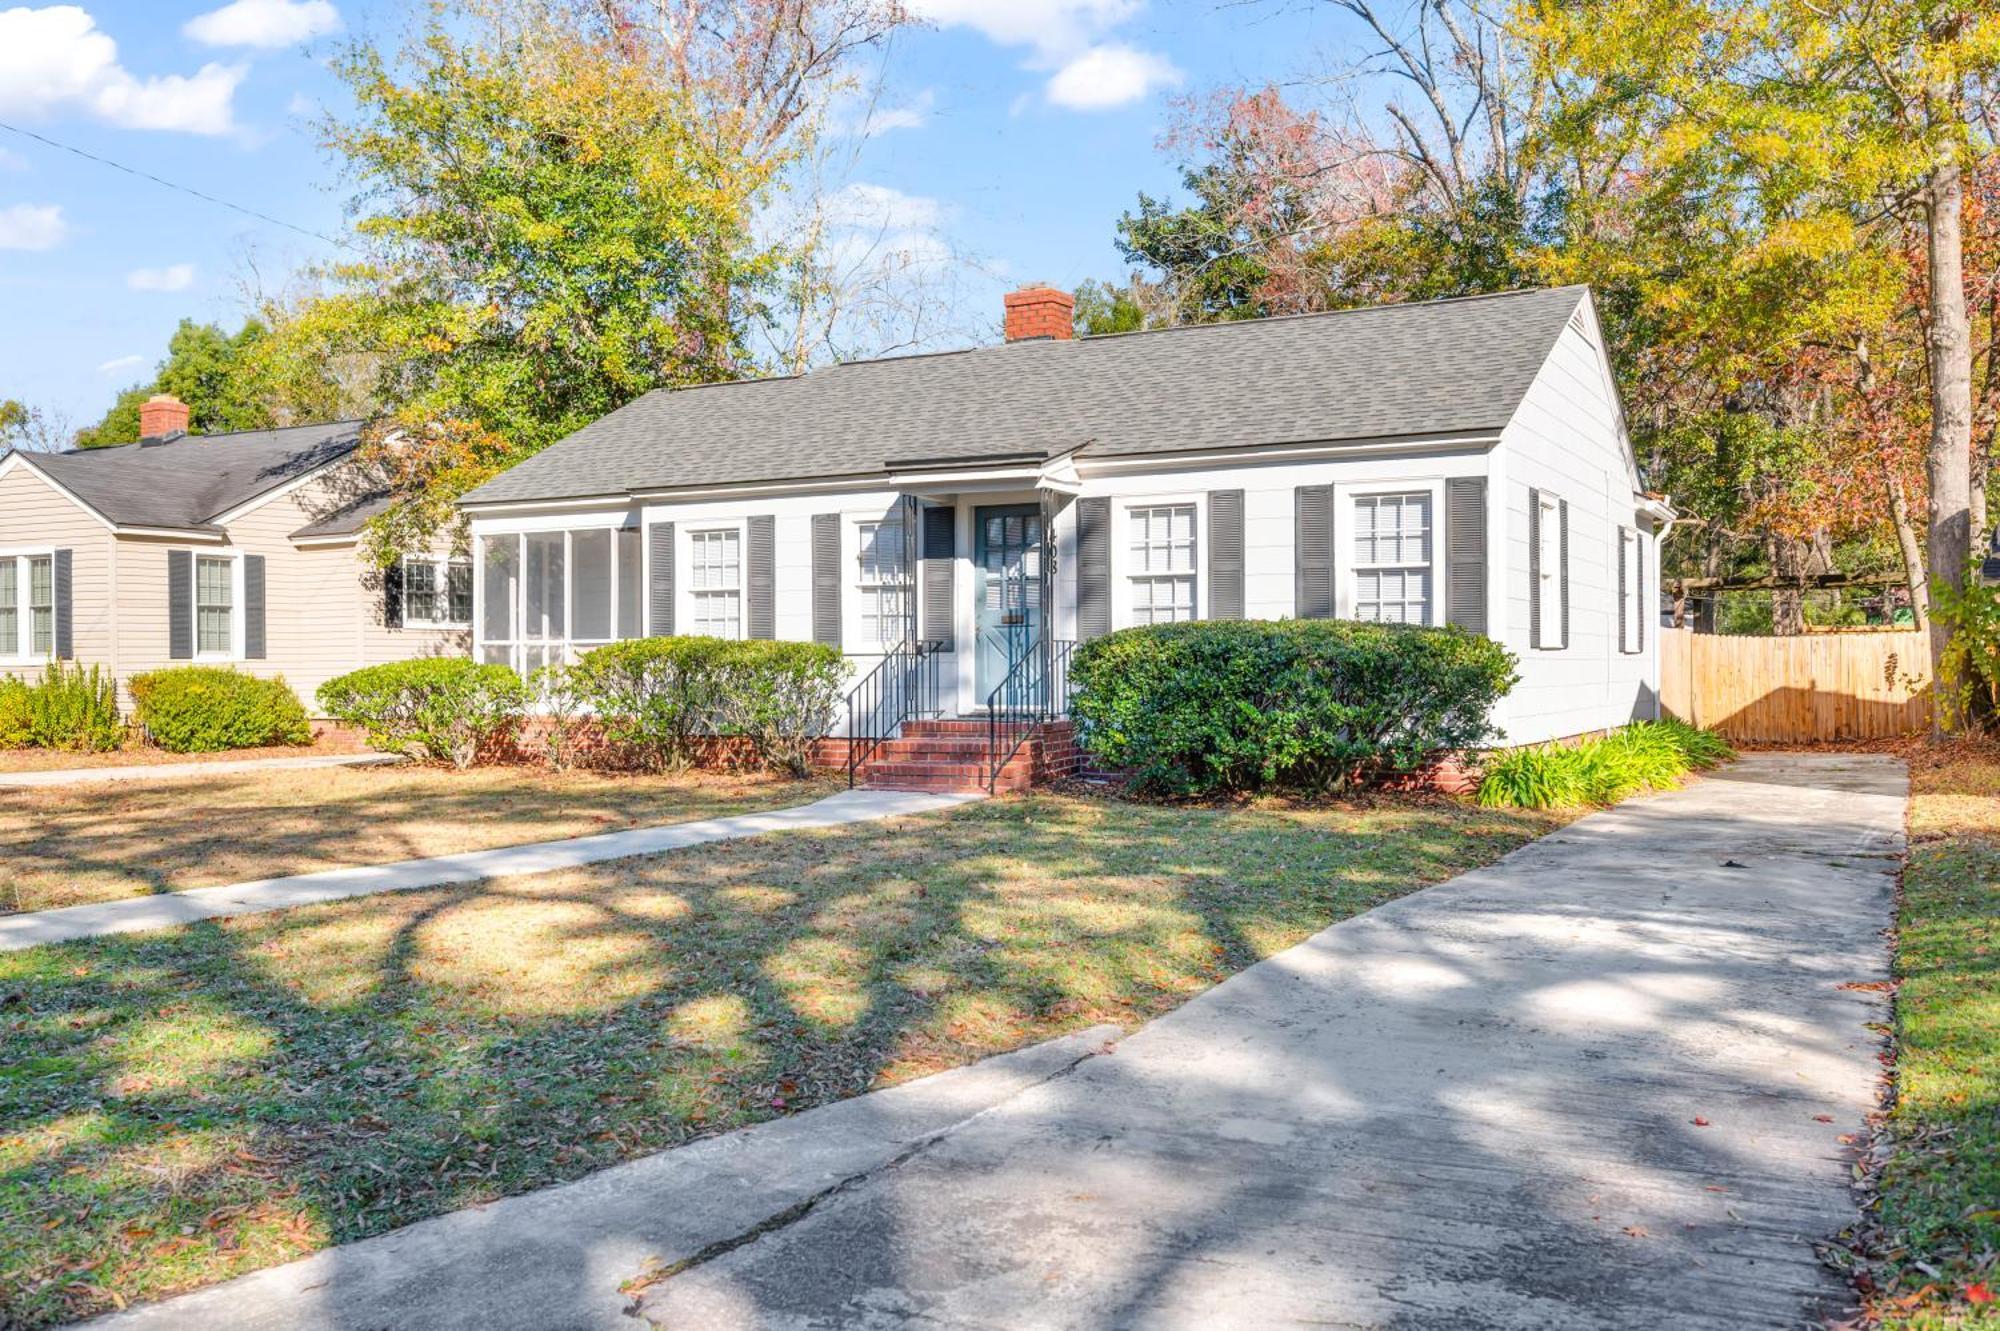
{"points": [[161, 416], [1040, 312]]}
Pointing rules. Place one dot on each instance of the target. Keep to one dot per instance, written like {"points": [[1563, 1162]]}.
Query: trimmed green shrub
{"points": [[660, 696], [440, 709], [1310, 704], [206, 709], [71, 707], [1646, 755]]}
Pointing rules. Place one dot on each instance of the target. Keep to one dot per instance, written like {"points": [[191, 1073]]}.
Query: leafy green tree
{"points": [[212, 371], [545, 237]]}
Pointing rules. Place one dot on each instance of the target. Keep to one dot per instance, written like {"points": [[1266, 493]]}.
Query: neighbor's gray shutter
{"points": [[1093, 568], [1313, 528], [65, 633], [253, 607], [940, 561], [392, 595], [1534, 567], [1562, 553], [180, 605], [1225, 554], [761, 611], [826, 578], [1623, 583], [1465, 552], [660, 580]]}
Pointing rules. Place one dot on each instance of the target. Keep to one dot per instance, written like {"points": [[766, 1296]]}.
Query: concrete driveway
{"points": [[1602, 1083]]}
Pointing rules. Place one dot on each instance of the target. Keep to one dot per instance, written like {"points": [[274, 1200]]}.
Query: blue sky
{"points": [[1018, 129]]}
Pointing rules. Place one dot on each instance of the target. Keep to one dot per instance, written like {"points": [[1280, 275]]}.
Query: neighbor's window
{"points": [[437, 593], [1162, 564], [1630, 551], [715, 573], [1548, 570], [27, 605], [1392, 558], [214, 606], [884, 585]]}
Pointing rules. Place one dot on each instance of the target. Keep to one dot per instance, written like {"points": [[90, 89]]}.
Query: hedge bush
{"points": [[1221, 706], [660, 696], [1647, 755], [205, 709], [71, 707], [439, 708]]}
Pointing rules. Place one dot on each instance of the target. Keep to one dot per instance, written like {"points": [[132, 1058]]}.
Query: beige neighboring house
{"points": [[237, 549]]}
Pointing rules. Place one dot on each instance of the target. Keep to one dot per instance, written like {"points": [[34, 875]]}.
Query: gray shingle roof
{"points": [[184, 484], [1436, 367], [347, 519]]}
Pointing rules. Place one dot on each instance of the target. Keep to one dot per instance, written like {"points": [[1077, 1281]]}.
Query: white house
{"points": [[1461, 461]]}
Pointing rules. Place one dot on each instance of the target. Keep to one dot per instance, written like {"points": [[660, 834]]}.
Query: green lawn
{"points": [[180, 1107], [1940, 1191]]}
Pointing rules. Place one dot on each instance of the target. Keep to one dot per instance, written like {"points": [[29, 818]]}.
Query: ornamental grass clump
{"points": [[1646, 755]]}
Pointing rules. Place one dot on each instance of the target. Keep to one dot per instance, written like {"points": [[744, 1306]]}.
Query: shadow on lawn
{"points": [[181, 1107], [66, 846]]}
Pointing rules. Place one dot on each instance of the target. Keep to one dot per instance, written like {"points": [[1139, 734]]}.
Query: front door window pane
{"points": [[214, 604]]}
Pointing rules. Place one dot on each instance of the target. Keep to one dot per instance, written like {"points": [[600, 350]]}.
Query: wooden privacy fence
{"points": [[1819, 686]]}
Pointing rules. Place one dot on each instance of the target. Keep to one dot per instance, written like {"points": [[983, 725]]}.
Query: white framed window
{"points": [[437, 592], [216, 604], [27, 605], [715, 579], [1160, 563], [1548, 580], [1395, 557], [1631, 550], [882, 584]]}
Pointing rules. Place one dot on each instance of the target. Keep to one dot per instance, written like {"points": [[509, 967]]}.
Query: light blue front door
{"points": [[1007, 613]]}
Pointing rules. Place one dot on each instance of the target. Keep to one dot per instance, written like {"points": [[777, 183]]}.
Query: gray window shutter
{"points": [[1562, 574], [826, 578], [1639, 585], [253, 607], [392, 595], [180, 605], [1465, 552], [1534, 567], [65, 632], [761, 608], [660, 580], [940, 565], [1313, 530], [1225, 554], [1093, 568], [1623, 575]]}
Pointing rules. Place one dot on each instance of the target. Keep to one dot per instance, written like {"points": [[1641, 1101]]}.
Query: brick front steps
{"points": [[955, 755]]}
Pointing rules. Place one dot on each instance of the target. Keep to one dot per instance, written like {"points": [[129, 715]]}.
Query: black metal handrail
{"points": [[1036, 690], [904, 684]]}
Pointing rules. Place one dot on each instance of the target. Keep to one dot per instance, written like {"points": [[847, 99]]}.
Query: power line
{"points": [[183, 189]]}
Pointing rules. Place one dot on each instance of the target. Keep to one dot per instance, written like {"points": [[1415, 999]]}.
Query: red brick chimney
{"points": [[1040, 312], [162, 416]]}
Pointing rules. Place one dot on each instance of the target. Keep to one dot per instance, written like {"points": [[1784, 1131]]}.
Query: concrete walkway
{"points": [[78, 776], [33, 929], [555, 1259], [1599, 1084]]}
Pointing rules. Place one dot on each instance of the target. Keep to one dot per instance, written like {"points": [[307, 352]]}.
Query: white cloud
{"points": [[879, 208], [32, 226], [174, 277], [1068, 37], [1110, 75], [913, 114], [119, 364], [55, 59], [267, 24]]}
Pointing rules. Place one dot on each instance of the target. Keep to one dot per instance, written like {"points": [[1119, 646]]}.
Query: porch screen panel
{"points": [[590, 587], [500, 576]]}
